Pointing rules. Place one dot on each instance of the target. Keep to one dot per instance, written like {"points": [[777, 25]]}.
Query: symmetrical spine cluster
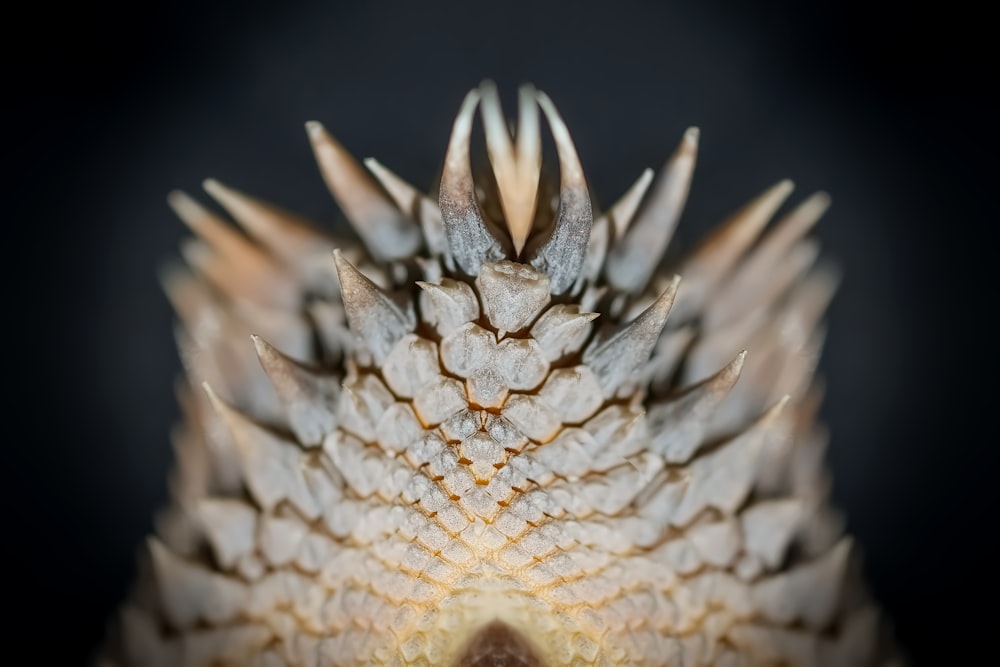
{"points": [[495, 433]]}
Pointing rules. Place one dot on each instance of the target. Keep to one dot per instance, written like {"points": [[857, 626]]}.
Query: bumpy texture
{"points": [[496, 434]]}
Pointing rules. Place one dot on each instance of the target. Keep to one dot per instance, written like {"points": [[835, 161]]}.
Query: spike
{"points": [[200, 256], [856, 642], [561, 256], [719, 252], [811, 297], [374, 317], [723, 477], [414, 203], [635, 256], [679, 425], [787, 232], [621, 213], [290, 237], [597, 251], [386, 231], [142, 642], [191, 593], [809, 592], [516, 170], [470, 241], [768, 527], [529, 138], [308, 398], [213, 230], [616, 219], [404, 195], [435, 235], [762, 291], [242, 277], [230, 526], [618, 357], [272, 467]]}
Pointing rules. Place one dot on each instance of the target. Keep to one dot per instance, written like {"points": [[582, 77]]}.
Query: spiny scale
{"points": [[545, 452]]}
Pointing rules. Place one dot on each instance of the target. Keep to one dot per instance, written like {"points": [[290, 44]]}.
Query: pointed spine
{"points": [[288, 236], [212, 229], [272, 466], [387, 232], [618, 357], [191, 592], [373, 316], [414, 203], [308, 398], [470, 242], [561, 256], [611, 225], [724, 477], [679, 425], [719, 252], [235, 264], [622, 211], [516, 168], [633, 259]]}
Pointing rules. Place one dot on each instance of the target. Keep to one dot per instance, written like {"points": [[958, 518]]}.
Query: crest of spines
{"points": [[580, 284]]}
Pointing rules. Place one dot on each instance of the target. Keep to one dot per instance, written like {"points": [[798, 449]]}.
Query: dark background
{"points": [[884, 106]]}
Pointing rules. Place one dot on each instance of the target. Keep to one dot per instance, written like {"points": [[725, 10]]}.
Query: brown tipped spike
{"points": [[780, 253], [374, 317], [308, 397], [680, 424], [211, 228], [618, 357], [561, 256], [229, 259], [470, 242], [287, 235], [633, 259], [387, 233], [719, 252], [794, 226]]}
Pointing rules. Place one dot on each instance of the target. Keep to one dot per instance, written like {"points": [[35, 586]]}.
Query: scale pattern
{"points": [[495, 433]]}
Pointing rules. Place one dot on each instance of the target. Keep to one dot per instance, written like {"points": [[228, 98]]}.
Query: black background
{"points": [[884, 106]]}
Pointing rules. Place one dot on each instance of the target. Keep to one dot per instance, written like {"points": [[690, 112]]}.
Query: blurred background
{"points": [[885, 106]]}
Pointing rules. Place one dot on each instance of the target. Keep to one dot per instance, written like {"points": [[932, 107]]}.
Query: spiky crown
{"points": [[516, 459]]}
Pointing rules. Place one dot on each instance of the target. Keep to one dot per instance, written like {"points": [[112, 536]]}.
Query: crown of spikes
{"points": [[479, 439]]}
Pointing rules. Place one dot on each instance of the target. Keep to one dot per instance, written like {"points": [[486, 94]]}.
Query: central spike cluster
{"points": [[508, 441], [471, 242]]}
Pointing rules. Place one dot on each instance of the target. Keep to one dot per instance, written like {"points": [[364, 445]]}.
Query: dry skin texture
{"points": [[495, 433]]}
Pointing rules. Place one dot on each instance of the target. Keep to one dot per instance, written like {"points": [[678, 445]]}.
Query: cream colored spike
{"points": [[634, 258], [386, 231], [516, 168]]}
